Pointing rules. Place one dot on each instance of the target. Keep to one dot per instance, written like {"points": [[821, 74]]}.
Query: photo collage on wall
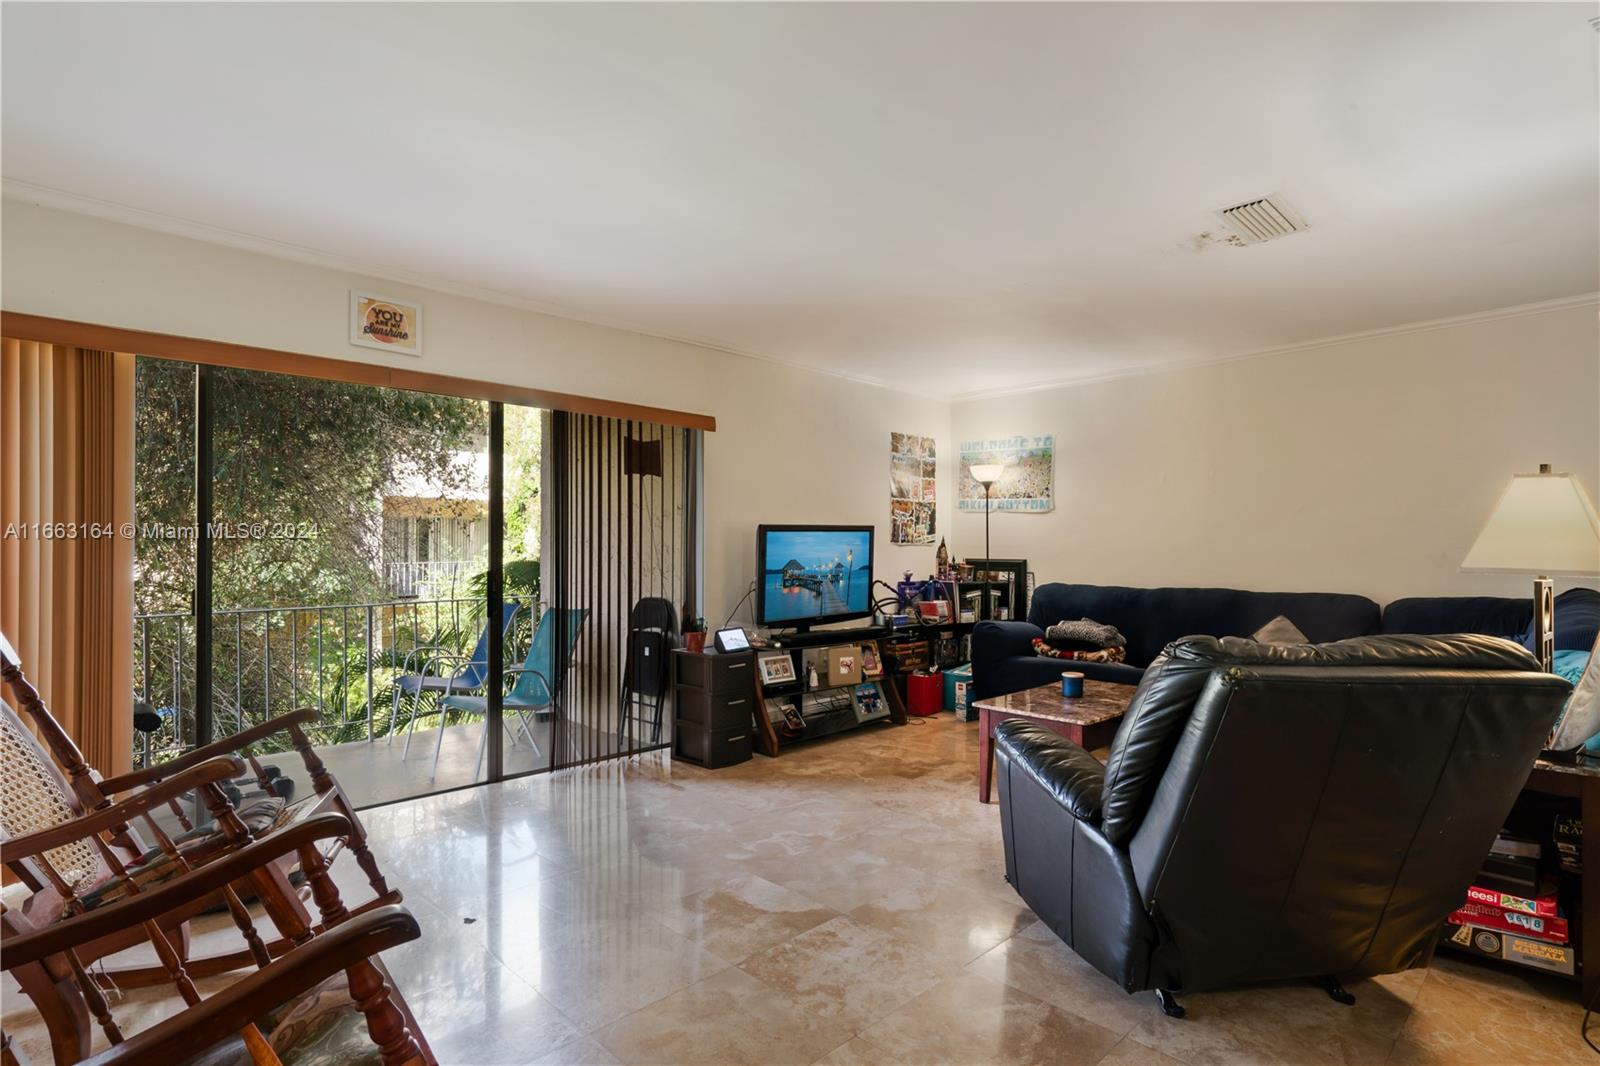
{"points": [[913, 489]]}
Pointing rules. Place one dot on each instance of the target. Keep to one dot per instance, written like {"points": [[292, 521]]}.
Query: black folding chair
{"points": [[647, 668]]}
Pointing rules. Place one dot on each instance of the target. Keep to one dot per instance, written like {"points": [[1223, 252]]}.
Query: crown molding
{"points": [[1564, 303], [112, 211], [139, 218]]}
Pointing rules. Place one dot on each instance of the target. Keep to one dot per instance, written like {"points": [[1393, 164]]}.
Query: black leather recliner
{"points": [[1272, 812]]}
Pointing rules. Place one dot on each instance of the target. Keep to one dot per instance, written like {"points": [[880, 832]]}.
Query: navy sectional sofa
{"points": [[1003, 659]]}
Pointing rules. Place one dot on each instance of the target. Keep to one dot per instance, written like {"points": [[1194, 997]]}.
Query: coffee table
{"points": [[1089, 720]]}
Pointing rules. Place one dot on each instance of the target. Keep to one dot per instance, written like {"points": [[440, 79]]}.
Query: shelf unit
{"points": [[833, 705], [1580, 784]]}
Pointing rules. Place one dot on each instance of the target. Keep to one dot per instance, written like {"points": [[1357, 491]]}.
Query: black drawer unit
{"points": [[712, 748], [715, 707], [715, 710], [734, 672]]}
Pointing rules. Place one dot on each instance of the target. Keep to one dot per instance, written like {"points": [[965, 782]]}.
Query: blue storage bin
{"points": [[957, 686]]}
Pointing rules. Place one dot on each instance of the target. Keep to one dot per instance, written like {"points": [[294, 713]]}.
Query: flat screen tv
{"points": [[807, 575]]}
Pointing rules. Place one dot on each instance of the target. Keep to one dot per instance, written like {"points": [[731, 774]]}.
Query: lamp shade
{"points": [[1545, 524], [986, 473]]}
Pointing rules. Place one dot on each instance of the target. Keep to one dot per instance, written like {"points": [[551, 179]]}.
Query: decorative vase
{"points": [[694, 642]]}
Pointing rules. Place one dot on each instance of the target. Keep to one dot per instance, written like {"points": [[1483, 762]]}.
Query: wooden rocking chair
{"points": [[37, 796], [293, 1009]]}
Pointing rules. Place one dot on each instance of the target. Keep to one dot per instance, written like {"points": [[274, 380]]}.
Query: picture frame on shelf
{"points": [[869, 702], [871, 661], [844, 665], [777, 668]]}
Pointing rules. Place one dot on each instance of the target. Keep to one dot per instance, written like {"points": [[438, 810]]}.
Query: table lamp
{"points": [[986, 474], [1544, 524]]}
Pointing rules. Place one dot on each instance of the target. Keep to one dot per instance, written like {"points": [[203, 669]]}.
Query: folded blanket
{"points": [[1042, 646], [1085, 631]]}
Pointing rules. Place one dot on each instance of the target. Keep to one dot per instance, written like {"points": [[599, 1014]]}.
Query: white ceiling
{"points": [[954, 198]]}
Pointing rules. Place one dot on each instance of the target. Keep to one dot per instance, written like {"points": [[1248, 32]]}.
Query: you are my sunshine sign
{"points": [[385, 323]]}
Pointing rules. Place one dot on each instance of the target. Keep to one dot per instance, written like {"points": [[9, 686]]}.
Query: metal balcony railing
{"points": [[341, 659], [443, 578]]}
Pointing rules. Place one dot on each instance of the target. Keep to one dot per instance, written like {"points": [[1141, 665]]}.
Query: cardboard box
{"points": [[1555, 958], [1543, 904], [965, 711], [956, 678], [1535, 927]]}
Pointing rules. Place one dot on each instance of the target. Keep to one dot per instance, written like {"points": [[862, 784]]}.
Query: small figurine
{"points": [[942, 558]]}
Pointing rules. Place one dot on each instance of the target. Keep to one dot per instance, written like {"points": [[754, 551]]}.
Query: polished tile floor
{"points": [[842, 904]]}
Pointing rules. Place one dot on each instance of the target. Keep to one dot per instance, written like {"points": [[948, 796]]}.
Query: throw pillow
{"points": [[1279, 631]]}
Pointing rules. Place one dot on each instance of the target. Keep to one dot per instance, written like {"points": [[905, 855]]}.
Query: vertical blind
{"points": [[619, 546], [66, 552]]}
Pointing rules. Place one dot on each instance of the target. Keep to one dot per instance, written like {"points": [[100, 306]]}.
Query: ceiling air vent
{"points": [[1265, 219]]}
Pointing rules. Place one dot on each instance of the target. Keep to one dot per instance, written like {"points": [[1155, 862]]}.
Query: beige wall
{"points": [[792, 446], [1367, 466]]}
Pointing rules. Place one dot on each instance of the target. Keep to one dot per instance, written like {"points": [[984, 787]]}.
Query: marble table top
{"points": [[1101, 701]]}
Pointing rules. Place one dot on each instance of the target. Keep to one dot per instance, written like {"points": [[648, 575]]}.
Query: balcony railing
{"points": [[439, 577], [340, 659]]}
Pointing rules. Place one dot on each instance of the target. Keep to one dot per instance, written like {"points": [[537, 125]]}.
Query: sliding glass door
{"points": [[458, 590], [321, 546]]}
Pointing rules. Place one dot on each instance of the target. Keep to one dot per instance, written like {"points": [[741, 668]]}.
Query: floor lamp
{"points": [[986, 474], [1544, 524]]}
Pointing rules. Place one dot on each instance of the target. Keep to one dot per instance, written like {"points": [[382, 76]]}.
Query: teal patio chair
{"points": [[532, 689], [416, 680]]}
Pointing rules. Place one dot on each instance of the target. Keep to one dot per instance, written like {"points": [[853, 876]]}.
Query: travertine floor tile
{"points": [[954, 924], [1037, 962], [581, 1052], [744, 916], [839, 875], [1129, 1052], [730, 1017], [857, 1051], [968, 1019], [1469, 1013], [848, 971], [1292, 1022], [492, 1018], [596, 971]]}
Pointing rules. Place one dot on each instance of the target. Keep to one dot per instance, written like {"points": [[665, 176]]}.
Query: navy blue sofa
{"points": [[1577, 617], [1003, 659]]}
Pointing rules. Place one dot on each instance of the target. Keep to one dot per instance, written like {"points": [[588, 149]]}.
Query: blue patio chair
{"points": [[532, 688], [469, 678]]}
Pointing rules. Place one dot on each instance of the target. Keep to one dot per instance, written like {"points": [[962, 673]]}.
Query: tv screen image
{"points": [[814, 574]]}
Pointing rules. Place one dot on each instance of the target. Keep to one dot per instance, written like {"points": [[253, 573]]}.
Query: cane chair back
{"points": [[34, 796]]}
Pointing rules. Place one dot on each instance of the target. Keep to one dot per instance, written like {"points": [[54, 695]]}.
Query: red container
{"points": [[924, 694], [694, 642]]}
